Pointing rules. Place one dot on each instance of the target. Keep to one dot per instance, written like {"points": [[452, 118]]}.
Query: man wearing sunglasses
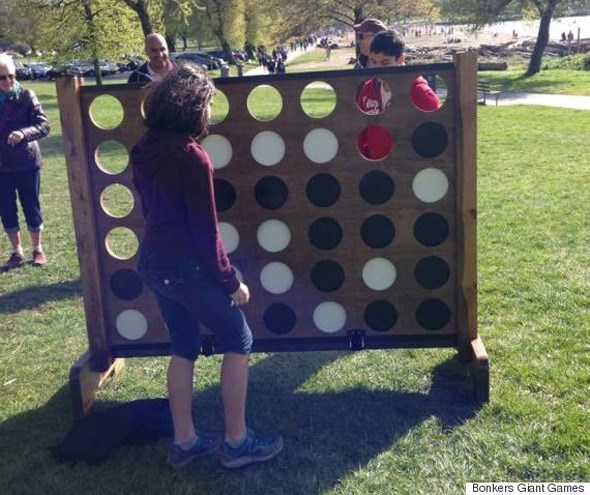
{"points": [[365, 32], [22, 123]]}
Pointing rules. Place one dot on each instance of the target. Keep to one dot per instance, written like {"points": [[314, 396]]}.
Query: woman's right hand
{"points": [[242, 295]]}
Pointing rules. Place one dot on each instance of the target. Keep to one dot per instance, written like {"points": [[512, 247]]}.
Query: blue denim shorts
{"points": [[189, 296]]}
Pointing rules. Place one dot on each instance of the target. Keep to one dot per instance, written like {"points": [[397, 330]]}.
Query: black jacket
{"points": [[22, 112], [140, 75]]}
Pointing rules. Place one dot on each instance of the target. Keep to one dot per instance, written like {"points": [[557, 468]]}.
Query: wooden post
{"points": [[89, 372], [471, 347]]}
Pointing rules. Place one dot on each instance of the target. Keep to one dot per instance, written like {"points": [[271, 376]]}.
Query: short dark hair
{"points": [[389, 43], [179, 102]]}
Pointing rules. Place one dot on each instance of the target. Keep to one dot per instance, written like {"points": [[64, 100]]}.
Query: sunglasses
{"points": [[9, 76]]}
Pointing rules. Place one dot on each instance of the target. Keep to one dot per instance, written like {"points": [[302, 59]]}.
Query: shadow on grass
{"points": [[329, 434], [32, 297]]}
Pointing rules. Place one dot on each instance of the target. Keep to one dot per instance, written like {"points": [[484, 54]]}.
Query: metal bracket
{"points": [[356, 340]]}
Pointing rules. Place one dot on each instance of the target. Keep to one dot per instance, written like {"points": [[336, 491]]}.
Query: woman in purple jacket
{"points": [[183, 261], [22, 123]]}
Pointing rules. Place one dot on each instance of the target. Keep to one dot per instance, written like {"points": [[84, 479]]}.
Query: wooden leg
{"points": [[84, 382], [476, 357]]}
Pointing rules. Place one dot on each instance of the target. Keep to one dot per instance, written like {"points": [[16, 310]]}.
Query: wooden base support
{"points": [[84, 382], [480, 371]]}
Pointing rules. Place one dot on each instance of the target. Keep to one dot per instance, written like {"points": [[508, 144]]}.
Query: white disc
{"points": [[268, 148], [320, 145], [219, 149], [276, 277], [329, 317], [379, 274], [273, 235], [131, 324], [230, 236], [430, 185]]}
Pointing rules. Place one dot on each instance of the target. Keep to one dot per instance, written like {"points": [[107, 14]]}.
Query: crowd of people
{"points": [[182, 257]]}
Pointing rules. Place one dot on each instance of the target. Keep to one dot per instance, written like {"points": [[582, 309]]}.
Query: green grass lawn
{"points": [[556, 81], [374, 422]]}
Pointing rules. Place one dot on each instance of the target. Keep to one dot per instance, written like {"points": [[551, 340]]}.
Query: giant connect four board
{"points": [[341, 249]]}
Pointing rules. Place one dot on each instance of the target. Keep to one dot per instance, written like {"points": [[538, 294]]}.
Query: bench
{"points": [[485, 89]]}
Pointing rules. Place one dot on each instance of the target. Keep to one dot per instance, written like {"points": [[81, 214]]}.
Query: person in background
{"points": [[182, 259], [387, 50], [22, 123], [365, 31], [159, 63]]}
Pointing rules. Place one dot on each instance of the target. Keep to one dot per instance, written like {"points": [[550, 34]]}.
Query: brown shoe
{"points": [[39, 258], [15, 260]]}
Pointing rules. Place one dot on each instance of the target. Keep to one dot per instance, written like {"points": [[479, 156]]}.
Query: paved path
{"points": [[562, 101]]}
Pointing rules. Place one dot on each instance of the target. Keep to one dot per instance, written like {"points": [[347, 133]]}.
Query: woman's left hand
{"points": [[15, 137]]}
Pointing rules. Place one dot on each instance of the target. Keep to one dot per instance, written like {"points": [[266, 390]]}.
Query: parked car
{"points": [[39, 69], [22, 73], [131, 62], [214, 62], [65, 69], [193, 57]]}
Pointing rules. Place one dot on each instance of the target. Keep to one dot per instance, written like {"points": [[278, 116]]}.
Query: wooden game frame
{"points": [[105, 350]]}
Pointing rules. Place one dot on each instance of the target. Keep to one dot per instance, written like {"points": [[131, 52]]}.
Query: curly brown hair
{"points": [[180, 101]]}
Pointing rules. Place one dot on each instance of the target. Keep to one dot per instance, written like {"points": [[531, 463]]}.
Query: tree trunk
{"points": [[227, 49], [89, 18], [140, 9], [171, 41], [542, 39]]}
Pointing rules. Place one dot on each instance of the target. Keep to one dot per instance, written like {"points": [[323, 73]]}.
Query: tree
{"points": [[488, 11]]}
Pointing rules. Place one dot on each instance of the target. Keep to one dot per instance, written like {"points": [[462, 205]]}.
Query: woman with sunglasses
{"points": [[365, 31], [22, 123]]}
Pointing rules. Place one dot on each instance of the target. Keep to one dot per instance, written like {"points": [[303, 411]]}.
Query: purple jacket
{"points": [[173, 175], [22, 112]]}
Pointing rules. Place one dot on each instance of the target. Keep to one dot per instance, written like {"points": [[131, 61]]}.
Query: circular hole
{"points": [[273, 235], [376, 187], [219, 107], [131, 324], [126, 284], [271, 192], [327, 276], [374, 96], [329, 317], [379, 274], [429, 139], [230, 236], [377, 231], [430, 185], [380, 316], [433, 314], [117, 200], [279, 318], [121, 243], [267, 148], [432, 272], [323, 190], [318, 99], [428, 93], [325, 233], [225, 194], [112, 157], [320, 145], [106, 112], [276, 278], [219, 149], [431, 229], [374, 142], [265, 103]]}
